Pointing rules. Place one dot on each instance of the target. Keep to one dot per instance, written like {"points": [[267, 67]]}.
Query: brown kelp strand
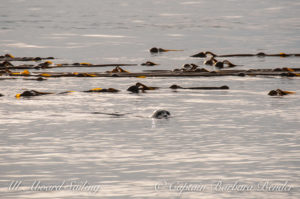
{"points": [[161, 50], [136, 88], [260, 54], [290, 72], [111, 114], [102, 90], [35, 79], [10, 57], [50, 65], [8, 78], [92, 65], [175, 86], [24, 66], [149, 63], [33, 93]]}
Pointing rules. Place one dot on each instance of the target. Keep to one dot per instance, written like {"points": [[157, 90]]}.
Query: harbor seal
{"points": [[160, 114]]}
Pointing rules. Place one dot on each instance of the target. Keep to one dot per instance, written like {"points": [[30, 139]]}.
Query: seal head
{"points": [[160, 114]]}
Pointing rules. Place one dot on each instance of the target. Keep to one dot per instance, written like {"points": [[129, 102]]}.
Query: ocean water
{"points": [[236, 143]]}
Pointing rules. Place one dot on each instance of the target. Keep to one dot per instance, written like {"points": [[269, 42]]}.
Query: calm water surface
{"points": [[103, 145]]}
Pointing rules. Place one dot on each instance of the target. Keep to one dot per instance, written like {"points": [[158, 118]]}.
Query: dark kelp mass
{"points": [[280, 92]]}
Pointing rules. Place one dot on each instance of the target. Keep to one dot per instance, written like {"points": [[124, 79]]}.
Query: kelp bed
{"points": [[187, 70], [7, 68]]}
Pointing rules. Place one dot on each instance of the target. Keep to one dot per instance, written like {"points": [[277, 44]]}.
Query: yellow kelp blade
{"points": [[289, 92], [48, 62], [282, 54], [15, 73], [91, 75], [96, 89], [291, 70], [10, 55], [45, 75], [123, 71], [25, 72], [85, 63]]}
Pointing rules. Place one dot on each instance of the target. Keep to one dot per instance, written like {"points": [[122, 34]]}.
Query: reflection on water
{"points": [[107, 139], [240, 134]]}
